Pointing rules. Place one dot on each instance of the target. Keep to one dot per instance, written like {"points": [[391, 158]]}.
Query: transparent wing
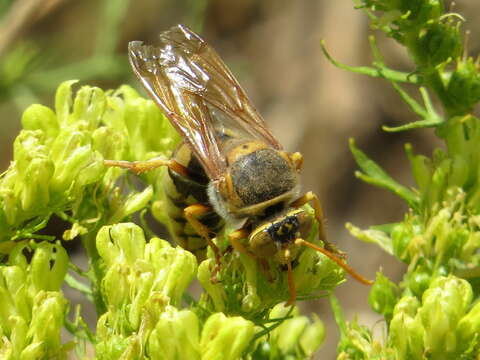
{"points": [[195, 89]]}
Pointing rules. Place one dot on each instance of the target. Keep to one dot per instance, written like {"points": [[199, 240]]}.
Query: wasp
{"points": [[229, 167]]}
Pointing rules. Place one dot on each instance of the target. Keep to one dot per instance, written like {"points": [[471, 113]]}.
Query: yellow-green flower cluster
{"points": [[134, 268], [137, 287], [457, 167], [434, 41], [430, 313], [58, 158], [297, 337], [246, 288], [32, 307], [443, 325], [142, 289], [447, 243], [357, 342]]}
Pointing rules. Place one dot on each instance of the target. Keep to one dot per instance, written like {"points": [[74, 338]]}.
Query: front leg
{"points": [[139, 167], [234, 239], [317, 207]]}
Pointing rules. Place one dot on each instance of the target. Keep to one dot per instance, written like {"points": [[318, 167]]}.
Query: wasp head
{"points": [[272, 237]]}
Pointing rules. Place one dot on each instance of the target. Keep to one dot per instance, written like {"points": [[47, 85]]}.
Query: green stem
{"points": [[377, 72]]}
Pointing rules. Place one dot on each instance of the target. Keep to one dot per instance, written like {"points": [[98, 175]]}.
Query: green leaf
{"points": [[375, 175]]}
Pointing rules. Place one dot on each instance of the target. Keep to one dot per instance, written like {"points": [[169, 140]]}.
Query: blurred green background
{"points": [[273, 47]]}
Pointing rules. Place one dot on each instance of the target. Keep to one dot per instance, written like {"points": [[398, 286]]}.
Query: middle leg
{"points": [[192, 213]]}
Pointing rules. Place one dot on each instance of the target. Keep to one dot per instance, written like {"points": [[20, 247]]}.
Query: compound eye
{"points": [[262, 244]]}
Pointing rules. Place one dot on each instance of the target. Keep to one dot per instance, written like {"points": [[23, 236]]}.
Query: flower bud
{"points": [[418, 280], [15, 278], [15, 282], [4, 229], [48, 314], [181, 265], [30, 181], [468, 329], [444, 303], [460, 172], [33, 351], [316, 272], [383, 296], [27, 146], [109, 142], [225, 337], [39, 117], [176, 336], [463, 89], [63, 101], [34, 189], [6, 348], [81, 167], [133, 203], [313, 336], [421, 168], [121, 243], [18, 335], [402, 236], [288, 336], [143, 286], [421, 11], [90, 170], [293, 336], [115, 287], [439, 182], [46, 276], [435, 44], [17, 256], [7, 305], [110, 346], [406, 330], [89, 105], [10, 203], [144, 120]]}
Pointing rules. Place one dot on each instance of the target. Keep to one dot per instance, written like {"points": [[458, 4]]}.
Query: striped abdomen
{"points": [[181, 192]]}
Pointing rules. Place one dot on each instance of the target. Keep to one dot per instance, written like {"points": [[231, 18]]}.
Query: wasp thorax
{"points": [[275, 234], [260, 174]]}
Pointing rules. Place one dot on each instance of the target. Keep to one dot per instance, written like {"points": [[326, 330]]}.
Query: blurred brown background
{"points": [[273, 46]]}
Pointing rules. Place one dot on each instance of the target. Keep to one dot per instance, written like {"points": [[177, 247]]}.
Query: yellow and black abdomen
{"points": [[183, 191]]}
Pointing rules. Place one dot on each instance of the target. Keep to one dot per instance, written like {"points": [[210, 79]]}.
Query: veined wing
{"points": [[199, 94]]}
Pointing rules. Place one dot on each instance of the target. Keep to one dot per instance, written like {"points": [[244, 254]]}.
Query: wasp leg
{"points": [[336, 259], [139, 167], [266, 269], [234, 239], [317, 207], [192, 213], [291, 281], [297, 159]]}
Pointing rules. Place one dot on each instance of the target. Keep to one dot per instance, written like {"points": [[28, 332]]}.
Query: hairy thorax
{"points": [[258, 178]]}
